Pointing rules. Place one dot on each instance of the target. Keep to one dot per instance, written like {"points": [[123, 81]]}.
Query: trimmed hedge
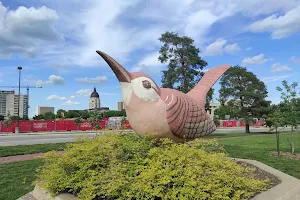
{"points": [[119, 166]]}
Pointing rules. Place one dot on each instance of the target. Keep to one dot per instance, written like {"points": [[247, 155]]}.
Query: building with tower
{"points": [[94, 100]]}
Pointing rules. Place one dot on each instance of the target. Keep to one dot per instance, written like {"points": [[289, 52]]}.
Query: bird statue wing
{"points": [[210, 77], [186, 118]]}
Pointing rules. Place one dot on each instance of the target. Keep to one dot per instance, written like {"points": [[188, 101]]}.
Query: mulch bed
{"points": [[261, 174], [286, 154]]}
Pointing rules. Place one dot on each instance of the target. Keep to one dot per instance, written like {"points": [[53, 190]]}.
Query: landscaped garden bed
{"points": [[116, 166]]}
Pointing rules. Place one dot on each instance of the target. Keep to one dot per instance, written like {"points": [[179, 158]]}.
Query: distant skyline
{"points": [[55, 43]]}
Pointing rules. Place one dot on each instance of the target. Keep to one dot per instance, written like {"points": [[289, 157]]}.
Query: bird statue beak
{"points": [[121, 73]]}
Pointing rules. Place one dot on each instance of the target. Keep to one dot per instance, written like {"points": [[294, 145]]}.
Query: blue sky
{"points": [[55, 42]]}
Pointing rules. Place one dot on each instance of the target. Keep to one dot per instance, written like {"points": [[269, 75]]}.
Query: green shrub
{"points": [[119, 166]]}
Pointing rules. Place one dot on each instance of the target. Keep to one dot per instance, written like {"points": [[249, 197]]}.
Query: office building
{"points": [[120, 106], [12, 105], [3, 94], [40, 110]]}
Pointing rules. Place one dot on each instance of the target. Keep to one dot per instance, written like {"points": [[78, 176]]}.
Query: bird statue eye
{"points": [[146, 84]]}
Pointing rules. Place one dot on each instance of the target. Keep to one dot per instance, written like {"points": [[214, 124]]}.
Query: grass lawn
{"points": [[227, 135], [29, 149], [16, 178], [258, 148]]}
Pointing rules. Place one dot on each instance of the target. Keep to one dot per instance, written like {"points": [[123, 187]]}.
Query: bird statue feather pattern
{"points": [[167, 112]]}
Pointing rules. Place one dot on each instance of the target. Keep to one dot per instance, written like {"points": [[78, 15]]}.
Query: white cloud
{"points": [[277, 67], [149, 64], [114, 35], [248, 49], [72, 97], [273, 78], [70, 102], [218, 47], [215, 48], [97, 80], [279, 26], [114, 32], [294, 59], [27, 30], [84, 92], [255, 60], [52, 79], [56, 97], [232, 48]]}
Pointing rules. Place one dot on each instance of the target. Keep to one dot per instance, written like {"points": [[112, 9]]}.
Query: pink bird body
{"points": [[167, 112]]}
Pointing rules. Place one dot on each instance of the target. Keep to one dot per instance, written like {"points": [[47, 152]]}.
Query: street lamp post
{"points": [[17, 130]]}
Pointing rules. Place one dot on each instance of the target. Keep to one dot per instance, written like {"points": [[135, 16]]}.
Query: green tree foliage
{"points": [[49, 116], [95, 119], [290, 107], [84, 114], [246, 90], [275, 120], [184, 63], [1, 117], [38, 117], [124, 166], [231, 108], [59, 113], [25, 118], [72, 114], [78, 122], [114, 113]]}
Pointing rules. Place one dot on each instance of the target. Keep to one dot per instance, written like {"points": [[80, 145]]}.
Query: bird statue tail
{"points": [[199, 92]]}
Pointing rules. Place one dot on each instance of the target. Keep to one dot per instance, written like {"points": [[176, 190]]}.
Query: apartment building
{"points": [[12, 105], [120, 106], [3, 94]]}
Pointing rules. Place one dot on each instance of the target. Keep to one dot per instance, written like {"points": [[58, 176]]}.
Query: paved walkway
{"points": [[18, 158]]}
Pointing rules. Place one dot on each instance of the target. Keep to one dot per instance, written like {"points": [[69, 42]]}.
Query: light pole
{"points": [[19, 97]]}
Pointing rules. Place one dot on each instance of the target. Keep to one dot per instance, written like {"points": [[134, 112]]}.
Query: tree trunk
{"points": [[277, 140], [292, 137], [247, 128]]}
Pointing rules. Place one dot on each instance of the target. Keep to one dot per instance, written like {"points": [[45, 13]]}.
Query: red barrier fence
{"points": [[69, 125], [49, 125], [230, 123]]}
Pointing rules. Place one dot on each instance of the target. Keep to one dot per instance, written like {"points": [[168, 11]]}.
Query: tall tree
{"points": [[290, 107], [184, 62], [245, 88]]}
